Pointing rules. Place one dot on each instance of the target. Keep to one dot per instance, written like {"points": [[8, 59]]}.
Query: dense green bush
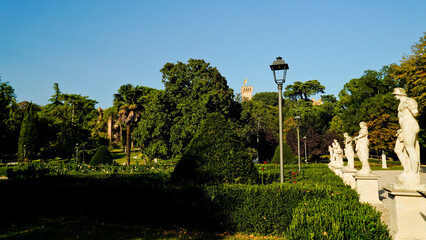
{"points": [[288, 155], [315, 205], [216, 155], [102, 156], [26, 171], [335, 219]]}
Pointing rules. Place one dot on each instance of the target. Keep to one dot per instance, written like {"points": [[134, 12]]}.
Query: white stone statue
{"points": [[384, 164], [330, 150], [361, 148], [349, 151], [407, 146], [338, 153]]}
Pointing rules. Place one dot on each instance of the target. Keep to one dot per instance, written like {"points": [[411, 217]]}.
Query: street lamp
{"points": [[297, 118], [279, 65], [76, 152], [306, 153], [83, 151]]}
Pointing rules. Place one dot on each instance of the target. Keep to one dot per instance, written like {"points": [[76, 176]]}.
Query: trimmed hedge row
{"points": [[318, 205], [299, 211]]}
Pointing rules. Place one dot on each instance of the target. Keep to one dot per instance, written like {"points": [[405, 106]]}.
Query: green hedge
{"points": [[335, 219], [314, 204], [317, 205]]}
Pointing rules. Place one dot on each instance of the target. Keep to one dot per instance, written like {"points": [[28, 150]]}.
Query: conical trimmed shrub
{"points": [[288, 155], [102, 156]]}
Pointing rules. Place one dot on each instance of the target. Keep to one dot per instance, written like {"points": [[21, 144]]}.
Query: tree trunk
{"points": [[121, 135], [128, 145]]}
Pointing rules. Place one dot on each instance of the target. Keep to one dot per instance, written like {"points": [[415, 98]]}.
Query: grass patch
{"points": [[135, 157], [83, 228]]}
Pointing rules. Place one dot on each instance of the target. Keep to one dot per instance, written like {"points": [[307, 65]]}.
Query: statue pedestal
{"points": [[407, 213], [368, 189], [348, 177], [338, 171]]}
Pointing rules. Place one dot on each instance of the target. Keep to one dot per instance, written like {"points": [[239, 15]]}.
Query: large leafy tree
{"points": [[269, 98], [67, 120], [130, 102], [314, 124], [16, 115], [192, 91], [216, 155], [259, 128], [356, 98], [303, 90], [153, 130], [7, 96]]}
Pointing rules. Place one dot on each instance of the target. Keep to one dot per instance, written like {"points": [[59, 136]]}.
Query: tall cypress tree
{"points": [[28, 135]]}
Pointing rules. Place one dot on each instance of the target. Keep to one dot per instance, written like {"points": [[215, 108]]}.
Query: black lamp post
{"points": [[298, 118], [280, 65], [83, 151], [76, 152], [306, 153]]}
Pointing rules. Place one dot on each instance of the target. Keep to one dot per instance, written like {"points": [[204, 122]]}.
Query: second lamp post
{"points": [[278, 65], [297, 118]]}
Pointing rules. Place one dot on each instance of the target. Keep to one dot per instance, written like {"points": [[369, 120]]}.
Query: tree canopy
{"points": [[303, 90], [192, 91], [7, 96], [215, 155]]}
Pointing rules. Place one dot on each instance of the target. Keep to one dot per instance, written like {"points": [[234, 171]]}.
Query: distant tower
{"points": [[246, 93], [316, 102]]}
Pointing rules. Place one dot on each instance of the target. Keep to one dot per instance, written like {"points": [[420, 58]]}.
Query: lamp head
{"points": [[297, 119], [279, 65]]}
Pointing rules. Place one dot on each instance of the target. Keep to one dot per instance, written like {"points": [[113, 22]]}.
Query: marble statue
{"points": [[338, 153], [407, 146], [361, 148], [349, 151], [330, 150], [384, 164]]}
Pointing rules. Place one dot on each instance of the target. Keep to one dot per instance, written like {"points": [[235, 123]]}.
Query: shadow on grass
{"points": [[114, 207], [83, 228]]}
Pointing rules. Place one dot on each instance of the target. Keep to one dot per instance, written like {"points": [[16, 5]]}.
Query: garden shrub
{"points": [[328, 218], [102, 156], [315, 205], [288, 155], [216, 155]]}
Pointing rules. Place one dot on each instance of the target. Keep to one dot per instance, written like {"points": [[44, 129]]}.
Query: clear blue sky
{"points": [[93, 47]]}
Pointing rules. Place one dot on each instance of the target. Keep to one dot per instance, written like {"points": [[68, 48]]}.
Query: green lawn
{"points": [[120, 157], [81, 228], [376, 165]]}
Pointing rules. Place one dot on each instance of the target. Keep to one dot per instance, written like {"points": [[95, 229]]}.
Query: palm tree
{"points": [[129, 105]]}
